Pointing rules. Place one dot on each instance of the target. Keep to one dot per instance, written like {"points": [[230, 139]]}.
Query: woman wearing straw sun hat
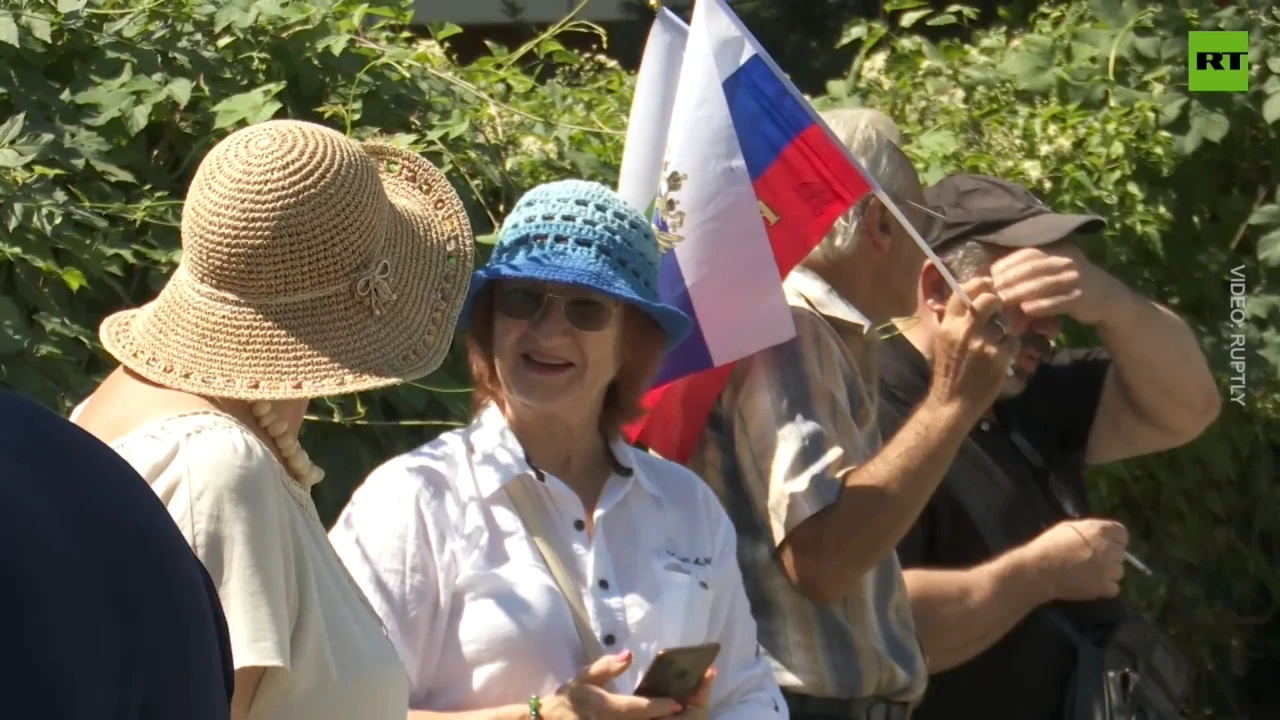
{"points": [[534, 563], [312, 266]]}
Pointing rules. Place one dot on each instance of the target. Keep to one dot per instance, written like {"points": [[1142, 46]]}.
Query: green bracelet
{"points": [[535, 708]]}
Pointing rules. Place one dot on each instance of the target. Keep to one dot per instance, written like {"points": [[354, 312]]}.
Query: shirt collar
{"points": [[498, 457], [811, 288]]}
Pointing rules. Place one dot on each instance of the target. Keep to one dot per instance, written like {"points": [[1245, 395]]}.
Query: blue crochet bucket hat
{"points": [[581, 233]]}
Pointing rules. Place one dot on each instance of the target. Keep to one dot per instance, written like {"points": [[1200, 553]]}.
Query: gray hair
{"points": [[969, 258], [875, 140]]}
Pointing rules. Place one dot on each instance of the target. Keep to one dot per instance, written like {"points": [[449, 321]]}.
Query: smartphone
{"points": [[676, 673]]}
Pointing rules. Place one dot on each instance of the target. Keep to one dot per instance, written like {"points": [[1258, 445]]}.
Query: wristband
{"points": [[535, 708]]}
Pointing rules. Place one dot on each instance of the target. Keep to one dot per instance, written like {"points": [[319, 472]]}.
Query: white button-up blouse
{"points": [[477, 618]]}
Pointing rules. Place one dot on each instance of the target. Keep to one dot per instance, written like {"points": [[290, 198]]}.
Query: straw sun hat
{"points": [[312, 265]]}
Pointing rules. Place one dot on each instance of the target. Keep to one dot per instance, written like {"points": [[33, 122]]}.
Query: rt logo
{"points": [[1219, 62]]}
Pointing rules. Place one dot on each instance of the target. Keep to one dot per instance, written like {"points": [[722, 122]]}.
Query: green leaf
{"points": [[10, 158], [911, 17], [1171, 108], [180, 90], [442, 30], [1209, 124], [855, 31], [938, 142], [1148, 47], [896, 5], [39, 26], [547, 47], [252, 107], [943, 19], [966, 10], [74, 279], [1269, 248], [15, 328], [12, 128], [66, 7], [8, 29], [1271, 109], [335, 44], [1273, 64], [1189, 143], [1265, 215], [489, 239], [1111, 11], [357, 17]]}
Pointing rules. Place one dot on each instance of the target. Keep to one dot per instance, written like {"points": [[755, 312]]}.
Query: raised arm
{"points": [[837, 506], [1159, 393]]}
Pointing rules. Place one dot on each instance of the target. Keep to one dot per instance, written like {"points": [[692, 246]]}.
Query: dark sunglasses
{"points": [[525, 303]]}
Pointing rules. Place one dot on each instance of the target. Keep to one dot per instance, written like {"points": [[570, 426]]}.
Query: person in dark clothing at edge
{"points": [[1147, 389], [109, 614]]}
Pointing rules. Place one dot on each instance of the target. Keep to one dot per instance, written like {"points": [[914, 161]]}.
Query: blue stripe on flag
{"points": [[691, 355], [766, 116]]}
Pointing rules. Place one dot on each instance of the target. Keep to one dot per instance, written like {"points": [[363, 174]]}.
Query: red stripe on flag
{"points": [[676, 413], [804, 191]]}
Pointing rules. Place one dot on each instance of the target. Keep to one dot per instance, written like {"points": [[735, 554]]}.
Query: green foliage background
{"points": [[107, 106]]}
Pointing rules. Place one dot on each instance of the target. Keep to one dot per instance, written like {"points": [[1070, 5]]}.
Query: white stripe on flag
{"points": [[651, 108], [725, 256]]}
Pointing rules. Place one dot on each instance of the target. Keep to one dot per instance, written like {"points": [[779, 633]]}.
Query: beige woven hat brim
{"points": [[393, 323]]}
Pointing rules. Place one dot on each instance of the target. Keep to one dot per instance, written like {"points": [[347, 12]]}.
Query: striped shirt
{"points": [[793, 419]]}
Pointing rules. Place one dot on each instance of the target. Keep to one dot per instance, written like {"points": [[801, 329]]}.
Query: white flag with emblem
{"points": [[651, 106]]}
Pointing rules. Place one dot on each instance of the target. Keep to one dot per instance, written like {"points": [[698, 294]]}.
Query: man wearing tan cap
{"points": [[1147, 389]]}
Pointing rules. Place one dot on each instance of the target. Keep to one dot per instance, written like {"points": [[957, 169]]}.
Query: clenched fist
{"points": [[973, 351]]}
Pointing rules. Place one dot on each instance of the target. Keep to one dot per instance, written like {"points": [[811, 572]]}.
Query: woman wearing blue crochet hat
{"points": [[533, 564]]}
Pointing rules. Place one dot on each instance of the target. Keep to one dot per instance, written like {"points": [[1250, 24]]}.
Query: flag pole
{"points": [[928, 251]]}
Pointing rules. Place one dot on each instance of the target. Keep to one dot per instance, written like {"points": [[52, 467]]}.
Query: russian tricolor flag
{"points": [[752, 181]]}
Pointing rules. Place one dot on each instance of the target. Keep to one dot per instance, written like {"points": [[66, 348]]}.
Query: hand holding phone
{"points": [[677, 673], [585, 697]]}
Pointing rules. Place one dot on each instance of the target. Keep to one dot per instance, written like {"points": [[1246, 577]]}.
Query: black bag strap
{"points": [[990, 530], [987, 527]]}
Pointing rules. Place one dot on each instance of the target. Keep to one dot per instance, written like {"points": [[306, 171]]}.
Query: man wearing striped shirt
{"points": [[794, 451]]}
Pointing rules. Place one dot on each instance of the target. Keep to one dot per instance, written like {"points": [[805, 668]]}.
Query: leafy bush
{"points": [[1089, 106], [107, 106]]}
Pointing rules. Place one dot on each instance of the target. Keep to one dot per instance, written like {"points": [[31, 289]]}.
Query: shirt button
{"points": [[604, 584], [609, 640], [985, 426], [579, 525]]}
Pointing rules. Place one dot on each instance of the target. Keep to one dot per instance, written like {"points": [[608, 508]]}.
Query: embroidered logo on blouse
{"points": [[698, 561]]}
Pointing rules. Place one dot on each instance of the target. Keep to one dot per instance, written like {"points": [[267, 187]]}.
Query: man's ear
{"points": [[875, 222], [933, 287]]}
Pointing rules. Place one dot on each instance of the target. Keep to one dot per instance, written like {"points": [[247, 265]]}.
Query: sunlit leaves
{"points": [[99, 140], [8, 28], [250, 107]]}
